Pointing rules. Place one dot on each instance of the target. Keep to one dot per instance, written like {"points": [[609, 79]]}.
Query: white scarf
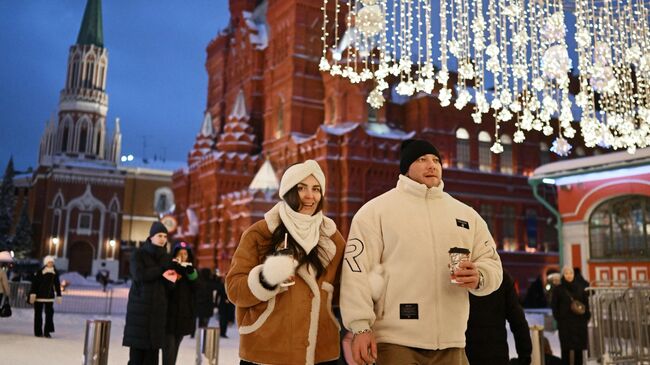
{"points": [[308, 231], [48, 270]]}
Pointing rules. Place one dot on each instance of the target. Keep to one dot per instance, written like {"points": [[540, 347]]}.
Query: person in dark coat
{"points": [[146, 312], [204, 294], [536, 295], [486, 336], [226, 308], [571, 326], [180, 309], [45, 289]]}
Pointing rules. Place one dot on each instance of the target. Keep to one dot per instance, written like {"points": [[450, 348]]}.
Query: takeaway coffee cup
{"points": [[456, 256]]}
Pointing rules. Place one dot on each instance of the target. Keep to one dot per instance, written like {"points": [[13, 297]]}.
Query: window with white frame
{"points": [[506, 155], [484, 154], [462, 148]]}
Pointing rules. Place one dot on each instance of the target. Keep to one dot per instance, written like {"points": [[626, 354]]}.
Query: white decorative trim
{"points": [[87, 202], [639, 273], [310, 280], [600, 187], [256, 287], [329, 288], [270, 306], [603, 273], [82, 106]]}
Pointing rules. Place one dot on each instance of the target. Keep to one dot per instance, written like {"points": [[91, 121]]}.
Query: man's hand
{"points": [[364, 348], [467, 275]]}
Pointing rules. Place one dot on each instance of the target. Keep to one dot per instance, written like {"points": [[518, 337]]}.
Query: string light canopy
{"points": [[512, 61]]}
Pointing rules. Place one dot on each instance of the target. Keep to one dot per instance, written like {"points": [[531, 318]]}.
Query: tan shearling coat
{"points": [[285, 326]]}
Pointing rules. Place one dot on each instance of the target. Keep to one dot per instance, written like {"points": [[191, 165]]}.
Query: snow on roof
{"points": [[207, 129], [153, 164], [383, 130], [256, 22], [265, 178], [339, 129], [239, 110], [608, 161], [300, 137]]}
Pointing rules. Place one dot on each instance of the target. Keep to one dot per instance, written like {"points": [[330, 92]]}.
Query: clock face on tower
{"points": [[170, 223]]}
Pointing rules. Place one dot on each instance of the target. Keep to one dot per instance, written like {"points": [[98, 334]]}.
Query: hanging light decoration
{"points": [[614, 62], [512, 61]]}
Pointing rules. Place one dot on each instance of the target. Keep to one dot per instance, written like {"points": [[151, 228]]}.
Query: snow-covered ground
{"points": [[19, 346]]}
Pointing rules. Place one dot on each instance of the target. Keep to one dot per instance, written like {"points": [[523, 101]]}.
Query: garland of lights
{"points": [[512, 61]]}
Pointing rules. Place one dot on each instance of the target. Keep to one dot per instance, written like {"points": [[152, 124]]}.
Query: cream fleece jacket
{"points": [[408, 231]]}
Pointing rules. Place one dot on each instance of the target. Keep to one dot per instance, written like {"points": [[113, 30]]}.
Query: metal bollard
{"points": [[537, 336], [207, 344], [98, 336]]}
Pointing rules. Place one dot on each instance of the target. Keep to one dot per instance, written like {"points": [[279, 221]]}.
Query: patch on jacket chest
{"points": [[408, 311], [462, 223]]}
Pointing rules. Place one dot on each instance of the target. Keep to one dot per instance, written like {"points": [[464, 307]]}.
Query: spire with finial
{"points": [[238, 134]]}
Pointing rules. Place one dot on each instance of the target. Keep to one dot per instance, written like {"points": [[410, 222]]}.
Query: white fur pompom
{"points": [[277, 269], [376, 282]]}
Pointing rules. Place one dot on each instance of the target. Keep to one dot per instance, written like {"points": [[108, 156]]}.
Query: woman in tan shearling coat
{"points": [[281, 323]]}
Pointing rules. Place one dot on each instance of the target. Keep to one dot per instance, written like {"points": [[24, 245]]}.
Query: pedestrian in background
{"points": [[206, 286], [45, 289], [5, 292], [226, 310], [146, 310], [486, 336], [181, 308], [570, 307]]}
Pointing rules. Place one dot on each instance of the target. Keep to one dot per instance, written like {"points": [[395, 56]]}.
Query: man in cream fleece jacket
{"points": [[396, 291]]}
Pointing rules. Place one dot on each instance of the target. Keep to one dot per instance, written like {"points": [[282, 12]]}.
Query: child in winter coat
{"points": [[283, 291], [45, 288]]}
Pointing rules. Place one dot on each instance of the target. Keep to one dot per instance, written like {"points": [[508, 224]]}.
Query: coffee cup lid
{"points": [[459, 250]]}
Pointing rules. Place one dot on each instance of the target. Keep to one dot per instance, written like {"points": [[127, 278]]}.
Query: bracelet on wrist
{"points": [[367, 330]]}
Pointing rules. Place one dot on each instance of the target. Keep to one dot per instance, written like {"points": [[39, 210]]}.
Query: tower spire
{"points": [[91, 31]]}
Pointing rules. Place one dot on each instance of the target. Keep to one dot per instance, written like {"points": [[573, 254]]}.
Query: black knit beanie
{"points": [[411, 150], [157, 227]]}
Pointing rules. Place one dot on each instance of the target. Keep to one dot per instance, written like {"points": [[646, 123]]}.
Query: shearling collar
{"points": [[327, 230], [419, 190]]}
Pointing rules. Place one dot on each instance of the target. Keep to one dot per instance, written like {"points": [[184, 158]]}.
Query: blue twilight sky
{"points": [[156, 83]]}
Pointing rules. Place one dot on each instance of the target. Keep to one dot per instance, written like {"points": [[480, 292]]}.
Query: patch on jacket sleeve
{"points": [[353, 249], [462, 223], [408, 311]]}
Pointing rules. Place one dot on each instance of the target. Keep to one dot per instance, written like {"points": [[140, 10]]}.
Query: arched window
{"points": [[163, 200], [462, 148], [83, 138], [544, 153], [64, 139], [484, 154], [506, 155], [618, 228]]}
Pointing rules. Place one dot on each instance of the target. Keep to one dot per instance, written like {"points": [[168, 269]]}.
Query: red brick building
{"points": [[604, 205], [268, 101]]}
